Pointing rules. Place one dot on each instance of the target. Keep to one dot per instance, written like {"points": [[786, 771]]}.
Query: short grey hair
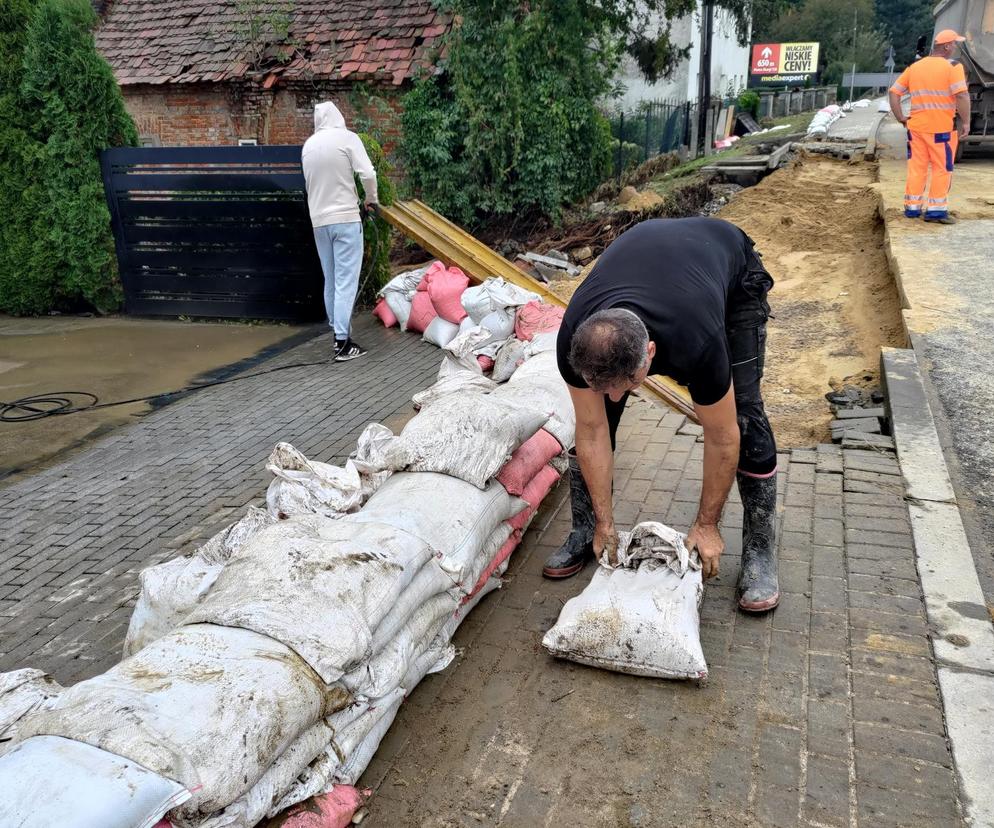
{"points": [[609, 347]]}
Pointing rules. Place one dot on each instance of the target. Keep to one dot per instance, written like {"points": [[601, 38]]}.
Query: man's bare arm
{"points": [[895, 107], [593, 450], [963, 111]]}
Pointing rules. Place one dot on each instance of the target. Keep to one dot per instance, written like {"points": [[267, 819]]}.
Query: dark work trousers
{"points": [[745, 329]]}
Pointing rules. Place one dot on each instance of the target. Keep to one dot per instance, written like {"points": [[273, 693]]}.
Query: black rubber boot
{"points": [[758, 588], [570, 558]]}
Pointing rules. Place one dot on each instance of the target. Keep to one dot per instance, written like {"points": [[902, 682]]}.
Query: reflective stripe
{"points": [[899, 89], [957, 87], [910, 199], [939, 93], [922, 106], [938, 200]]}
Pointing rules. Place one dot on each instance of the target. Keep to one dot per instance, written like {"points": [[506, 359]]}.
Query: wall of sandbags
{"points": [[264, 669]]}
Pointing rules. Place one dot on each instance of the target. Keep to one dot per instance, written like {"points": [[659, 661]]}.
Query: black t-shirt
{"points": [[676, 276]]}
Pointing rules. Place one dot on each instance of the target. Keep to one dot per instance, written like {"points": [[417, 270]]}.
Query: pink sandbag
{"points": [[331, 810], [445, 287], [486, 363], [502, 555], [384, 314], [527, 461], [422, 312], [534, 494], [537, 317]]}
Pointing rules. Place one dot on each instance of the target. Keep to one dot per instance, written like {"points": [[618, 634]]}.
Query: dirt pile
{"points": [[817, 226]]}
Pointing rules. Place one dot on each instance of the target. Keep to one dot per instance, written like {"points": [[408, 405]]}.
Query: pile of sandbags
{"points": [[265, 668]]}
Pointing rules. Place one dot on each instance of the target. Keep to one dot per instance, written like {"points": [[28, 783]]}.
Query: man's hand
{"points": [[606, 538], [964, 131], [706, 539]]}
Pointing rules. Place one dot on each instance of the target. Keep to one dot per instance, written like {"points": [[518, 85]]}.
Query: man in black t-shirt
{"points": [[685, 298]]}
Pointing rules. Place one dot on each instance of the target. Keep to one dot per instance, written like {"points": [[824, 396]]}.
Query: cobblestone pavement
{"points": [[823, 713], [74, 536]]}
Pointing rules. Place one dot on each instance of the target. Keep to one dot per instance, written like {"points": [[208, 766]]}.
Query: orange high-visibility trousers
{"points": [[927, 151]]}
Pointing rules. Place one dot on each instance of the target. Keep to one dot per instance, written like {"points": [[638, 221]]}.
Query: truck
{"points": [[974, 19]]}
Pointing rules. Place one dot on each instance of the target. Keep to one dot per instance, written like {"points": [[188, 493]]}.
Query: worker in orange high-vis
{"points": [[938, 92]]}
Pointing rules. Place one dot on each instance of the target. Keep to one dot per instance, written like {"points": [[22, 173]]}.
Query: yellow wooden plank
{"points": [[456, 247]]}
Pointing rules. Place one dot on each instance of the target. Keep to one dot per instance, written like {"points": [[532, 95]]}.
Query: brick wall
{"points": [[221, 114]]}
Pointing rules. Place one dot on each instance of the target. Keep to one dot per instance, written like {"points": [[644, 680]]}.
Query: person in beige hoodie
{"points": [[332, 158]]}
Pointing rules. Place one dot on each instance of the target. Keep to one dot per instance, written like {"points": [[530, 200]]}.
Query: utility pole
{"points": [[852, 77], [704, 87]]}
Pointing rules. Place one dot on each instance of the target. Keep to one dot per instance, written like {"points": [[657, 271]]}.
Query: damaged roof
{"points": [[180, 41]]}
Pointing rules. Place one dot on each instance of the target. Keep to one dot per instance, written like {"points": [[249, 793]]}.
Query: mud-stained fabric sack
{"points": [[453, 379], [537, 317], [511, 354], [538, 386], [318, 586], [451, 516], [23, 692], [399, 292], [48, 781], [494, 294], [527, 461], [370, 728], [430, 580], [533, 495], [171, 590], [174, 707], [469, 436], [641, 618]]}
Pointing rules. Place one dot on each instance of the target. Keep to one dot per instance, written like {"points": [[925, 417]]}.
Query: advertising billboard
{"points": [[783, 64]]}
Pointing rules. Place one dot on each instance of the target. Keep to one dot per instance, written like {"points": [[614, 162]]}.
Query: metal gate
{"points": [[213, 231]]}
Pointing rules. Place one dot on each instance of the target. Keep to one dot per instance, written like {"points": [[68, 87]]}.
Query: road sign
{"points": [[783, 64]]}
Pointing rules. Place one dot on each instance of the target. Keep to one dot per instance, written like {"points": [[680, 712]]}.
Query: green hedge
{"points": [[61, 106], [376, 230]]}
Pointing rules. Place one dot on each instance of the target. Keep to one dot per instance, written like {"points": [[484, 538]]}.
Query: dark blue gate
{"points": [[213, 231]]}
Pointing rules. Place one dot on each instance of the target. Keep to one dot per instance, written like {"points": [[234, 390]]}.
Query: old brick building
{"points": [[250, 71]]}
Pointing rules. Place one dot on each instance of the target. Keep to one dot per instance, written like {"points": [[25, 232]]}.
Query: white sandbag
{"points": [[454, 379], [175, 706], [511, 354], [494, 294], [500, 323], [385, 671], [256, 804], [399, 293], [641, 619], [450, 516], [466, 324], [463, 349], [303, 486], [400, 307], [823, 119], [170, 591], [538, 386], [440, 332], [470, 436], [317, 585], [23, 692], [48, 781], [358, 758], [430, 580], [466, 571], [542, 343]]}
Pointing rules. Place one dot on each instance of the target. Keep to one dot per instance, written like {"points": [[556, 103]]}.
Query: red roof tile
{"points": [[151, 41]]}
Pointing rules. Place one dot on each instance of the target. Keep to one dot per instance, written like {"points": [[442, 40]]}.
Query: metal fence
{"points": [[657, 127], [213, 231]]}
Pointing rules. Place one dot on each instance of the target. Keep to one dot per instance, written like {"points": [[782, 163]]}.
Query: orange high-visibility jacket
{"points": [[933, 84]]}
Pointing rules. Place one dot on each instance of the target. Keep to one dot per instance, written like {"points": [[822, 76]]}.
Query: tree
{"points": [[831, 23], [905, 21], [72, 109], [512, 126]]}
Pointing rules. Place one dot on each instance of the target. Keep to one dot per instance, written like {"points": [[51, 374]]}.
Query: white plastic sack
{"points": [[170, 591], [430, 580], [451, 516], [823, 119], [319, 586], [538, 386], [47, 781], [303, 486], [440, 332], [400, 306], [500, 323], [470, 436], [399, 292], [23, 692], [376, 723], [175, 706], [642, 620], [454, 379], [511, 354], [385, 671], [494, 294]]}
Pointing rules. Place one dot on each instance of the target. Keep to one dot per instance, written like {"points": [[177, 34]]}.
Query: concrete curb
{"points": [[963, 635]]}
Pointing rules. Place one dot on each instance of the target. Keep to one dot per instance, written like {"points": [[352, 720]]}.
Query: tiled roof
{"points": [[181, 41]]}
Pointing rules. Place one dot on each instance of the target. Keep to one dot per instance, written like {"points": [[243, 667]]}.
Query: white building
{"points": [[729, 64]]}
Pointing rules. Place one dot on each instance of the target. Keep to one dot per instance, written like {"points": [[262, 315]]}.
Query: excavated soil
{"points": [[817, 225]]}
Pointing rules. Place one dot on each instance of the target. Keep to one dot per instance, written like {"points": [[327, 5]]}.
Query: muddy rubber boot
{"points": [[572, 555], [758, 587]]}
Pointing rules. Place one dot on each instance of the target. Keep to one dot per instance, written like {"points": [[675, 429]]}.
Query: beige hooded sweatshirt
{"points": [[332, 156]]}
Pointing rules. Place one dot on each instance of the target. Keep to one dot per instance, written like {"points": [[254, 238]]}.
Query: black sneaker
{"points": [[351, 350]]}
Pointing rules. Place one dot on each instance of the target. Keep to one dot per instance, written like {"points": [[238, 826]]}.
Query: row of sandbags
{"points": [[302, 627]]}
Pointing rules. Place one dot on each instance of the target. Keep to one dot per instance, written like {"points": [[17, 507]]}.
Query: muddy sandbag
{"points": [[641, 618], [453, 379], [451, 516], [527, 461], [537, 317], [171, 590], [399, 292], [537, 386], [469, 436], [23, 692], [511, 354], [319, 586], [209, 707], [358, 757], [494, 294], [533, 495], [49, 781]]}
